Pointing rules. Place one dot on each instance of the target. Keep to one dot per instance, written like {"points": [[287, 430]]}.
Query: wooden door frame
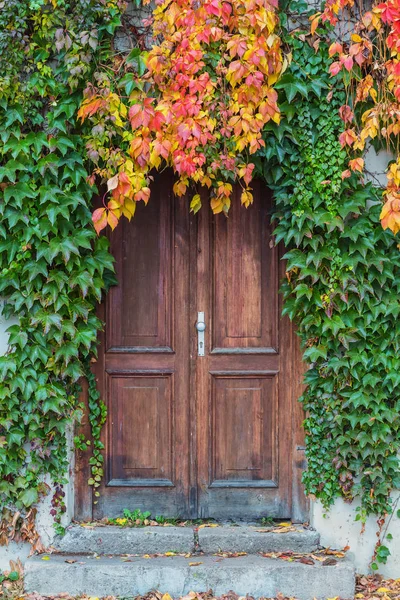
{"points": [[83, 493]]}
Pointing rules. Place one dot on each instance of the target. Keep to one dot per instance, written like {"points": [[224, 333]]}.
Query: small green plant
{"points": [[381, 555], [132, 518], [11, 576], [161, 520], [137, 515], [137, 518], [267, 521]]}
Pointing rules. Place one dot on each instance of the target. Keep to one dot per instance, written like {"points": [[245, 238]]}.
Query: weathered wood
{"points": [[301, 504], [146, 362], [243, 383], [83, 491]]}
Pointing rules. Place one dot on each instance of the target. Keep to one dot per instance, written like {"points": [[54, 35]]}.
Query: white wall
{"points": [[376, 165], [338, 529]]}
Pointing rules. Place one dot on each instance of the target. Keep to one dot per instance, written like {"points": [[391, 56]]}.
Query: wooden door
{"points": [[198, 436], [244, 382]]}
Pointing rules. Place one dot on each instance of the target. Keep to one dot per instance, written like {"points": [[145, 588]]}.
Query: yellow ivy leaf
{"points": [[195, 203]]}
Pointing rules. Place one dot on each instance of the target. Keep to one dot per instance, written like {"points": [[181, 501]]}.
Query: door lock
{"points": [[201, 327]]}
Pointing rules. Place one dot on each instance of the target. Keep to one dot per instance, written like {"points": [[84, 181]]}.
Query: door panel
{"points": [[243, 383], [141, 433], [217, 435], [243, 431], [144, 366], [143, 300], [245, 282]]}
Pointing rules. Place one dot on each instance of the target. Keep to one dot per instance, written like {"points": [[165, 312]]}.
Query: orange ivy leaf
{"points": [[315, 19], [99, 218], [90, 107], [347, 138], [390, 215], [357, 164]]}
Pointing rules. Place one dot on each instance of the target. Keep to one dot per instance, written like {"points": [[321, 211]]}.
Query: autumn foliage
{"points": [[369, 61], [200, 107]]}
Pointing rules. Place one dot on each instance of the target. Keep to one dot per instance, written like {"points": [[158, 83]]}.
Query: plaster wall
{"points": [[338, 529]]}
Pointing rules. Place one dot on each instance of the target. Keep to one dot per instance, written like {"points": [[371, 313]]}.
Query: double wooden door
{"points": [[217, 435]]}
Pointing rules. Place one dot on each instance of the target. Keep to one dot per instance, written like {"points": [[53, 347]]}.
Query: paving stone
{"points": [[253, 575], [118, 540], [253, 539]]}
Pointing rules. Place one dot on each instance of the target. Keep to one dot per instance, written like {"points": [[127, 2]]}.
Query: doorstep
{"points": [[250, 539]]}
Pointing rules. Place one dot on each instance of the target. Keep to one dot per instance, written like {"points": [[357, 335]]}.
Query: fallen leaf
{"points": [[70, 562], [45, 557], [305, 560], [230, 554], [329, 562], [195, 564]]}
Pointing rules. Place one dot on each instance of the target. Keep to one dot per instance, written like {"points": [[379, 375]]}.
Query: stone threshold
{"points": [[249, 539]]}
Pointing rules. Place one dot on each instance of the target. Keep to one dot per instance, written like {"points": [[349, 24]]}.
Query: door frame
{"points": [[83, 492]]}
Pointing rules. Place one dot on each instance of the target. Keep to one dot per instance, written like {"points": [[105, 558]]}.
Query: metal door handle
{"points": [[201, 327]]}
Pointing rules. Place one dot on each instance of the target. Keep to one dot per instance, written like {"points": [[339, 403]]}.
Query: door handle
{"points": [[201, 327]]}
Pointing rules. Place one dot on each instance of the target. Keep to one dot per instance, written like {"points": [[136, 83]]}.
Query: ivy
{"points": [[342, 289], [97, 418], [53, 267], [198, 106], [367, 57]]}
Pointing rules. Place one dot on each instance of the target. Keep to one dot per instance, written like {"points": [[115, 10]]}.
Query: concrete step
{"points": [[158, 540], [127, 540], [251, 575], [253, 539]]}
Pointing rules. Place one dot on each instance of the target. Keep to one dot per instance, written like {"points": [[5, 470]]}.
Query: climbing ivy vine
{"points": [[53, 267], [342, 288]]}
